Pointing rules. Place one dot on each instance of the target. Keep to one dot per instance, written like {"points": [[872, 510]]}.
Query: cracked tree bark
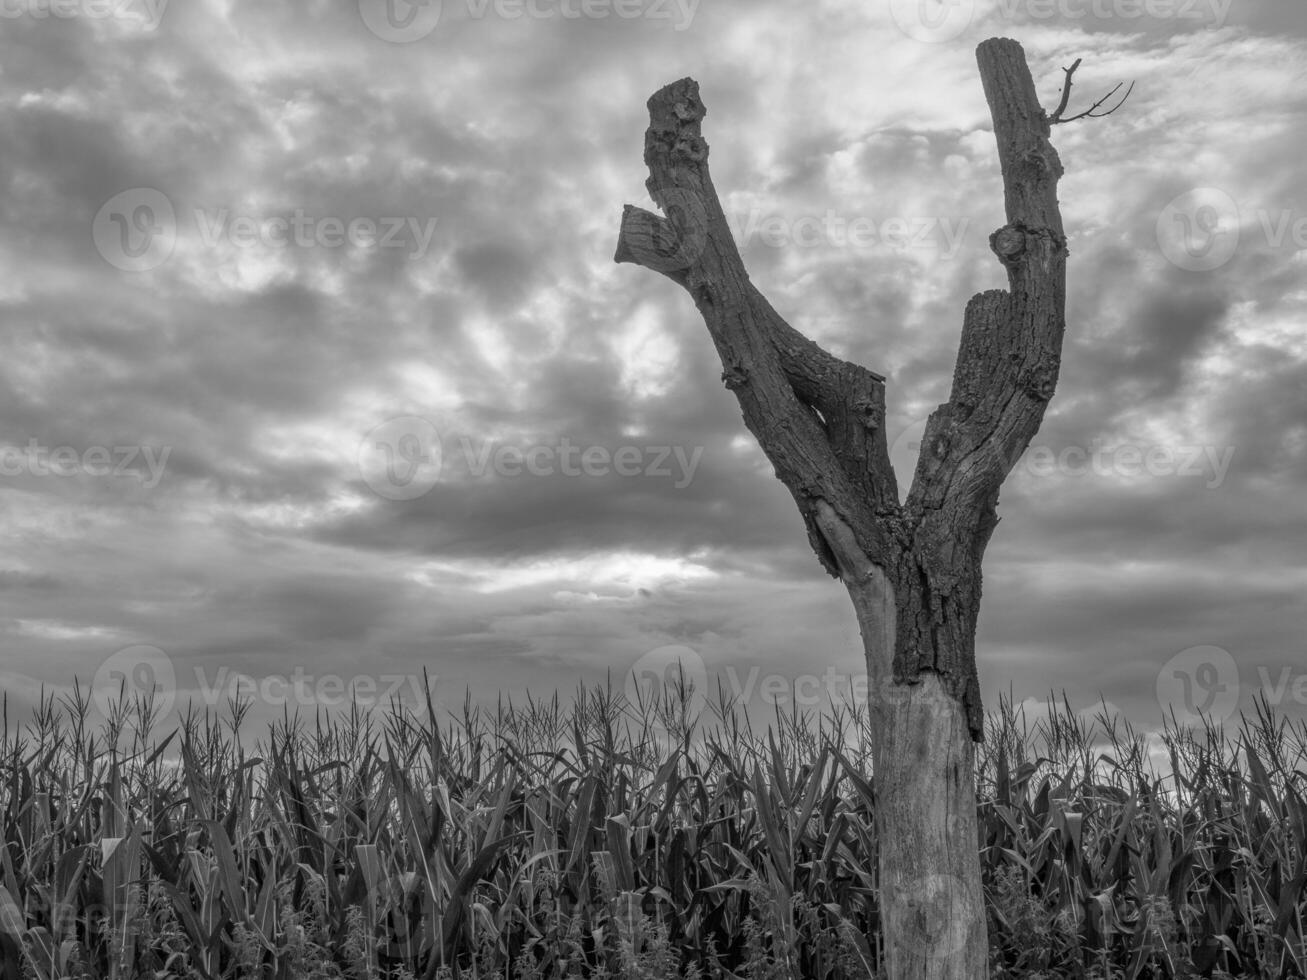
{"points": [[913, 570]]}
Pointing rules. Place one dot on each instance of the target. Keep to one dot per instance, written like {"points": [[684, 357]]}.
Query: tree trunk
{"points": [[932, 905], [912, 570]]}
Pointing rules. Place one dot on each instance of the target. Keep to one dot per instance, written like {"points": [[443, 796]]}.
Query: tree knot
{"points": [[1041, 381], [690, 108], [872, 414], [1008, 243], [692, 148], [735, 377]]}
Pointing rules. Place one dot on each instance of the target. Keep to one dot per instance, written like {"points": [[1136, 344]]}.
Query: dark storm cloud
{"points": [[1161, 331], [261, 367], [21, 581]]}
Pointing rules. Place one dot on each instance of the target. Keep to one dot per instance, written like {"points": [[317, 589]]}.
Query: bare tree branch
{"points": [[1090, 113], [1066, 92], [820, 419]]}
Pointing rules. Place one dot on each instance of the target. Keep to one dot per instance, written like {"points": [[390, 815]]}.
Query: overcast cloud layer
{"points": [[320, 298]]}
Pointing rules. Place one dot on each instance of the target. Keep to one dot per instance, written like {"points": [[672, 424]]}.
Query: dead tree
{"points": [[913, 570]]}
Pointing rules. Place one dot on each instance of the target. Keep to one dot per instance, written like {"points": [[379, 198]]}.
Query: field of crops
{"points": [[640, 844]]}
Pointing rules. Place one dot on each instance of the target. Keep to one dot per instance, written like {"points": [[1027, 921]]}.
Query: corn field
{"points": [[602, 839]]}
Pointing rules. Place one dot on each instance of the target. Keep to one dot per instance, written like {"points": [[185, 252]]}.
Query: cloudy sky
{"points": [[316, 363]]}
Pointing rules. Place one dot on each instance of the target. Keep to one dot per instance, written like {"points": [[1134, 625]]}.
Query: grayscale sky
{"points": [[316, 367]]}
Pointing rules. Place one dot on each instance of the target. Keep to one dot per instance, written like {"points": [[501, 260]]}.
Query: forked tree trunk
{"points": [[932, 905], [912, 570]]}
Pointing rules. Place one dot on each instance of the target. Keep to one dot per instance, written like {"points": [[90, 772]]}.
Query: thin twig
{"points": [[1066, 92], [1092, 112]]}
